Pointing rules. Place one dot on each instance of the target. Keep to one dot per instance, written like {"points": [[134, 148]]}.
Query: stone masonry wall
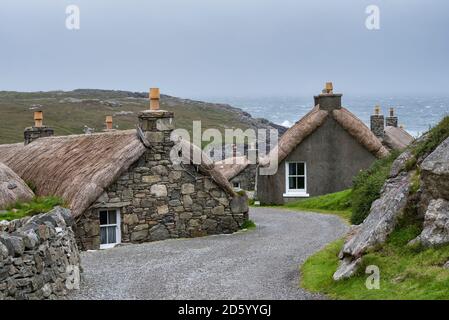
{"points": [[246, 178], [159, 200], [39, 258]]}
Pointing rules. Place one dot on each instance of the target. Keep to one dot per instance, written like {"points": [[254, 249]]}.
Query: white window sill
{"points": [[295, 195], [108, 246]]}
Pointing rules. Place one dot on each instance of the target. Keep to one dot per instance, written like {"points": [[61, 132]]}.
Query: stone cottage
{"points": [[322, 152], [123, 186], [239, 171]]}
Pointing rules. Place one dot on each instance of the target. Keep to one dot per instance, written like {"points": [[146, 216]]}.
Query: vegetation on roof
{"points": [[33, 207]]}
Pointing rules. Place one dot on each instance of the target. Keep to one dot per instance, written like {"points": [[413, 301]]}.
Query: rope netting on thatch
{"points": [[76, 168], [12, 188]]}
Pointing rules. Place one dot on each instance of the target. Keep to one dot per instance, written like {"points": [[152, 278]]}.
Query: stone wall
{"points": [[159, 200], [246, 178], [39, 258]]}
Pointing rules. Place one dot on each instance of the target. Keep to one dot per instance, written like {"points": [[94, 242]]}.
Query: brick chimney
{"points": [[156, 124], [38, 130], [377, 123], [392, 120], [328, 100]]}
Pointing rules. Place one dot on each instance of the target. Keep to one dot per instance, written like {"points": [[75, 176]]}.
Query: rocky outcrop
{"points": [[39, 258], [436, 224], [431, 203], [435, 172], [377, 226]]}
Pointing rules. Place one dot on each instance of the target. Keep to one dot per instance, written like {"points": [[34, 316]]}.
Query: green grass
{"points": [[435, 137], [338, 203], [248, 224], [36, 206], [70, 118], [367, 185], [405, 272]]}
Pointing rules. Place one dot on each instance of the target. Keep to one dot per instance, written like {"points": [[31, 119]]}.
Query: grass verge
{"points": [[338, 203], [405, 272], [24, 209]]}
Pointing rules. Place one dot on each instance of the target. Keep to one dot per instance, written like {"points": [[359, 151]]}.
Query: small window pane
{"points": [[292, 183], [103, 236], [301, 183], [103, 217], [301, 169], [112, 215], [292, 169], [111, 234]]}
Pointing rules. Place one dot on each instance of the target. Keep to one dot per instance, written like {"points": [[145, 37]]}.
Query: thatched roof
{"points": [[313, 120], [79, 168], [397, 138], [231, 167], [12, 188], [359, 131]]}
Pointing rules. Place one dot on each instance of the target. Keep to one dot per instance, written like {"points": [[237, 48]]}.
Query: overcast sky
{"points": [[194, 48]]}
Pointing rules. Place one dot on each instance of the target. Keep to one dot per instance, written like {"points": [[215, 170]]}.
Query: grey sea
{"points": [[416, 114]]}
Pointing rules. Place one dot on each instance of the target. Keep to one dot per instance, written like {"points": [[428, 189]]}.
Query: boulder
{"points": [[435, 172], [378, 225], [347, 268], [436, 224], [159, 232]]}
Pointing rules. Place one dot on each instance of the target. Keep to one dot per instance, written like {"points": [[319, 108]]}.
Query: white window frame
{"points": [[118, 235], [295, 193], [238, 185]]}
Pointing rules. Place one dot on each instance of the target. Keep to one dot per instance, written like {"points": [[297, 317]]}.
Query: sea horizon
{"points": [[415, 113]]}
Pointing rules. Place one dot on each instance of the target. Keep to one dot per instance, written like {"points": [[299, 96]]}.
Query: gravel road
{"points": [[255, 264]]}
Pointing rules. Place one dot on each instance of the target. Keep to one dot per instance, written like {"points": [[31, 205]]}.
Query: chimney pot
{"points": [[377, 110], [392, 120], [328, 100], [38, 130], [154, 98], [109, 122], [38, 119]]}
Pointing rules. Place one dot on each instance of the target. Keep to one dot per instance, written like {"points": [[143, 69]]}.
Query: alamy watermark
{"points": [[372, 22], [248, 147], [373, 280], [72, 21]]}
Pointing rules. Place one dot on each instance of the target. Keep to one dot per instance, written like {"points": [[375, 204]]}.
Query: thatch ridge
{"points": [[231, 167], [357, 129], [12, 188], [397, 138], [206, 166], [296, 134]]}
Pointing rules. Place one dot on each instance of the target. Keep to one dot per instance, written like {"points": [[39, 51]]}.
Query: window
{"points": [[295, 179], [236, 185], [109, 228]]}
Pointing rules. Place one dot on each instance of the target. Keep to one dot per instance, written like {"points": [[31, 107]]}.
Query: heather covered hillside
{"points": [[68, 112]]}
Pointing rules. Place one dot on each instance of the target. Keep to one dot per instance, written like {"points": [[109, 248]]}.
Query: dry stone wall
{"points": [[39, 258]]}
